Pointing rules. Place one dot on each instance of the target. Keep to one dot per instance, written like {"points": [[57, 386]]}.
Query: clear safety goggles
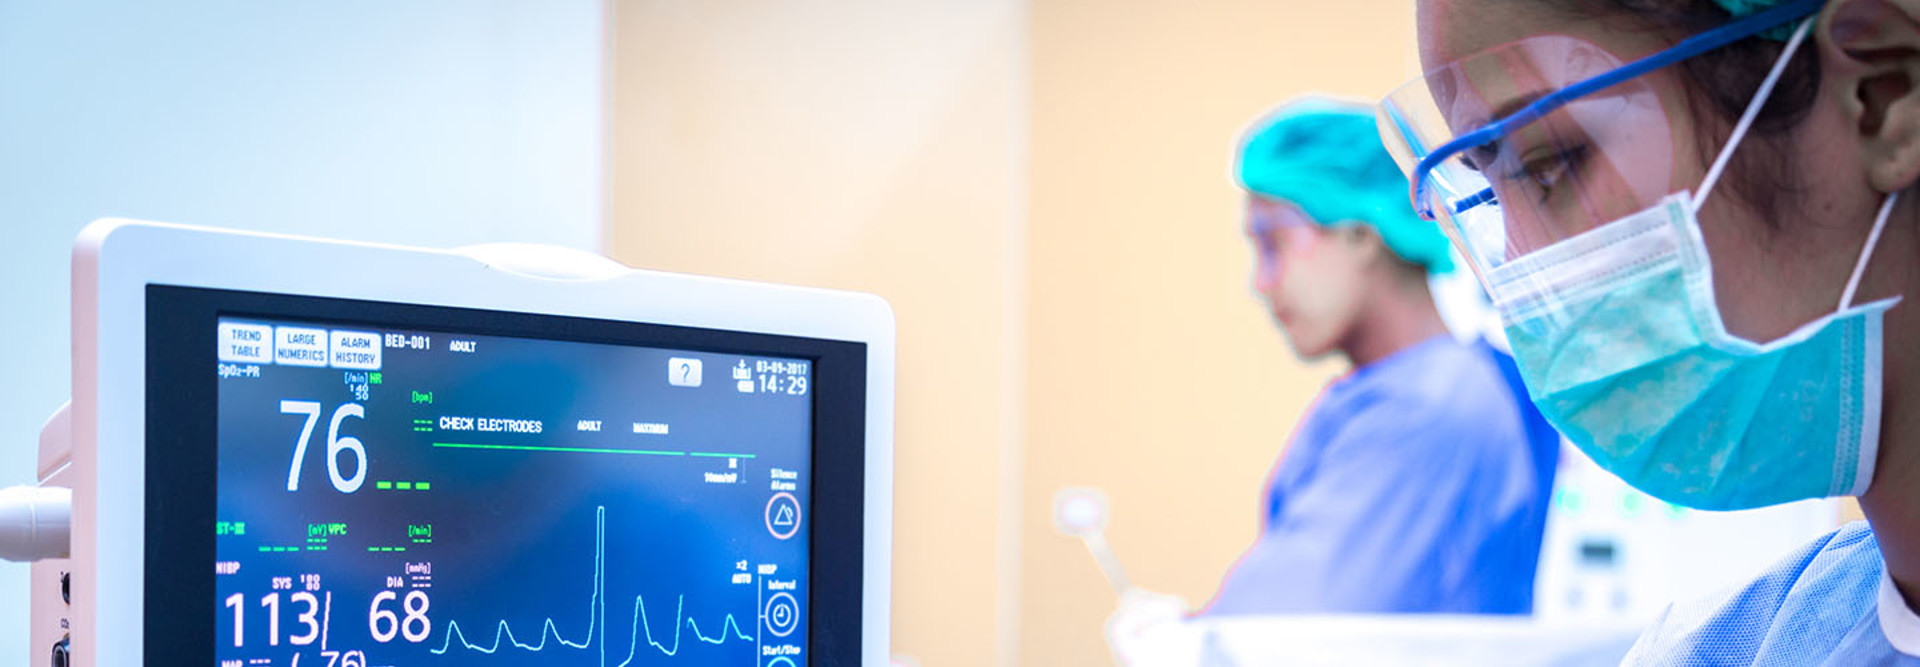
{"points": [[1279, 233], [1520, 147]]}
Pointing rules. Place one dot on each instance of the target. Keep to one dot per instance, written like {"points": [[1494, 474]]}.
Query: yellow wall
{"points": [[868, 145], [1153, 371], [1040, 190]]}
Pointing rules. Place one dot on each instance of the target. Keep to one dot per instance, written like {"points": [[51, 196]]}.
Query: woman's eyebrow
{"points": [[1509, 108], [1505, 110]]}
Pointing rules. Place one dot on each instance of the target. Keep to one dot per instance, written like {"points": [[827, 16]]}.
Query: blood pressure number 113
{"points": [[338, 446]]}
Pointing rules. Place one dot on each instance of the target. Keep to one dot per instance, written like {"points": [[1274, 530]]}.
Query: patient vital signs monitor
{"points": [[289, 452]]}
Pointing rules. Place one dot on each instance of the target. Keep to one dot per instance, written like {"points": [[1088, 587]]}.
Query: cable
{"points": [[36, 523]]}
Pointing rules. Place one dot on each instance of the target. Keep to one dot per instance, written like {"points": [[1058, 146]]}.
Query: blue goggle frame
{"points": [[1692, 46]]}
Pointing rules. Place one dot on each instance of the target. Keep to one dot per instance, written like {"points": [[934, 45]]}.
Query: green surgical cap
{"points": [[1325, 157], [1739, 8]]}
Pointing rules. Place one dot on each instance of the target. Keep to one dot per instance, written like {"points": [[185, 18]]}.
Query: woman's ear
{"points": [[1871, 55], [1364, 240]]}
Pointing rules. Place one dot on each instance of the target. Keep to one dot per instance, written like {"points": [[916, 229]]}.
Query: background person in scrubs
{"points": [[1419, 481]]}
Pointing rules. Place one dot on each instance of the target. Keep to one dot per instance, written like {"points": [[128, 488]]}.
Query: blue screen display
{"points": [[399, 497]]}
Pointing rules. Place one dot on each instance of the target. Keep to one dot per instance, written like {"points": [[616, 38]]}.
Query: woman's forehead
{"points": [[1477, 70], [1453, 29], [1450, 30]]}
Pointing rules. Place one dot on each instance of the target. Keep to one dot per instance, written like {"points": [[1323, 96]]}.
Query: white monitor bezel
{"points": [[114, 261]]}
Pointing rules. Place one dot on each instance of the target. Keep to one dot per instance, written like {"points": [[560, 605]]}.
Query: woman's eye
{"points": [[1546, 173], [1549, 171]]}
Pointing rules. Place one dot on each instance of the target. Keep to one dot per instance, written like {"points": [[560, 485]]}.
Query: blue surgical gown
{"points": [[1417, 483], [1819, 606]]}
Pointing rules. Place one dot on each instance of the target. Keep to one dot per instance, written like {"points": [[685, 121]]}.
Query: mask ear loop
{"points": [[1740, 132], [1866, 253], [1746, 118]]}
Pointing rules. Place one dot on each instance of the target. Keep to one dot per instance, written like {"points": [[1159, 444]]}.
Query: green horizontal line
{"points": [[723, 456], [385, 549], [584, 450]]}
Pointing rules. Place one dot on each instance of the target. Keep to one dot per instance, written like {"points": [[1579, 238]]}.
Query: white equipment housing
{"points": [[92, 603]]}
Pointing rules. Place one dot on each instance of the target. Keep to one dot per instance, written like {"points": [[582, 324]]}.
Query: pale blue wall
{"points": [[426, 122]]}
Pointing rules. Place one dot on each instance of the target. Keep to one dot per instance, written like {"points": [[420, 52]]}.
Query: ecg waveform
{"points": [[596, 628]]}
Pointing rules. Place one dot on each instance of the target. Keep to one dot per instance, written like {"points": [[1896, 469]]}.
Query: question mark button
{"points": [[683, 372]]}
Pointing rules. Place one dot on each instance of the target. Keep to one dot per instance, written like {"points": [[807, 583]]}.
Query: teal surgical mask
{"points": [[1631, 361]]}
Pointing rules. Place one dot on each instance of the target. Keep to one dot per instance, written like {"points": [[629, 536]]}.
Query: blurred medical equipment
{"points": [[285, 451], [1148, 628], [1082, 512], [1612, 560], [34, 523], [1431, 640], [1614, 553]]}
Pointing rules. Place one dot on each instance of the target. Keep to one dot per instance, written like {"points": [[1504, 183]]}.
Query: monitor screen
{"points": [[387, 493], [382, 484]]}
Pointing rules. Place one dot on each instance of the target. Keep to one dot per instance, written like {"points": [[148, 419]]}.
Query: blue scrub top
{"points": [[1417, 483], [1821, 605]]}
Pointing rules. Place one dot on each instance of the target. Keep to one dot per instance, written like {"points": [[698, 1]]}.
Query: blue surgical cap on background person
{"points": [[1325, 157]]}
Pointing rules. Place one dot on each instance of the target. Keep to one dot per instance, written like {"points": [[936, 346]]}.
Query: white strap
{"points": [[1746, 118], [1866, 253]]}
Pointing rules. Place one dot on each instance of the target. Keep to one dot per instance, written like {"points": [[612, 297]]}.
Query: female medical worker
{"points": [[1419, 481], [1697, 218]]}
